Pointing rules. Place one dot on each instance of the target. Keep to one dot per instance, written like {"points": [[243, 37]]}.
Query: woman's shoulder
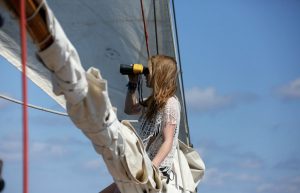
{"points": [[173, 101], [172, 110]]}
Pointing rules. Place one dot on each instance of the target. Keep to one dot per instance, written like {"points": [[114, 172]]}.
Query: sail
{"points": [[105, 33]]}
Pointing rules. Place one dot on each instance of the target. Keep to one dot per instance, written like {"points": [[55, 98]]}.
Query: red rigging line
{"points": [[145, 28], [24, 95]]}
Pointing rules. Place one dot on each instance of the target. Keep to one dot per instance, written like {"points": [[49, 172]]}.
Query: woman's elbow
{"points": [[130, 111]]}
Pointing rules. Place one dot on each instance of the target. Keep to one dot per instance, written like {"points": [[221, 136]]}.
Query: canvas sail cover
{"points": [[105, 33]]}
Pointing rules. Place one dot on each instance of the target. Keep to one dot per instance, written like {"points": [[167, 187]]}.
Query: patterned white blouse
{"points": [[151, 131]]}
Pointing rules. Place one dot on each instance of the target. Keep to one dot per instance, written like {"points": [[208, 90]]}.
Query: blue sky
{"points": [[241, 71]]}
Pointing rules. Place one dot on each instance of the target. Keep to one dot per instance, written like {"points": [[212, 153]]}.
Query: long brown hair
{"points": [[163, 70]]}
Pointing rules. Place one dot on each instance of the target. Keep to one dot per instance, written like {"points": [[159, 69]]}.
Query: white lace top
{"points": [[170, 114]]}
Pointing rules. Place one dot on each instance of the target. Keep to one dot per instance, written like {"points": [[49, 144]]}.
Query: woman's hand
{"points": [[132, 107], [133, 78]]}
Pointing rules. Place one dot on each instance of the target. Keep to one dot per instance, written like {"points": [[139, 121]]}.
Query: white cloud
{"points": [[3, 103], [11, 148], [287, 185], [209, 100], [43, 148], [6, 100], [92, 164], [264, 187], [257, 181], [216, 177], [248, 177], [290, 91], [251, 164], [209, 148], [220, 177]]}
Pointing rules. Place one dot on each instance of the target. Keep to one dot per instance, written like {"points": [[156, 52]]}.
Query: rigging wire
{"points": [[181, 81], [155, 26], [47, 110], [145, 28], [24, 96], [141, 100], [33, 106]]}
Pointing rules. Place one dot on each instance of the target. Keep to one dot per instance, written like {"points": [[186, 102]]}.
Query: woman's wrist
{"points": [[132, 86], [155, 163]]}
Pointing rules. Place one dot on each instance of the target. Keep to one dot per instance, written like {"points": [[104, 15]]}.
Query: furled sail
{"points": [[105, 33]]}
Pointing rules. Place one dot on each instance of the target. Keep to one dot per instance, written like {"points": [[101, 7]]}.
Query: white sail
{"points": [[105, 33]]}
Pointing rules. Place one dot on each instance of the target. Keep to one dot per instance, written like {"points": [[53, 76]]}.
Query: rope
{"points": [[24, 96], [33, 106], [181, 81], [36, 11], [145, 28], [155, 26]]}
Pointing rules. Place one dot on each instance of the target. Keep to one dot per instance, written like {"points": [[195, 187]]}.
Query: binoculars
{"points": [[126, 69]]}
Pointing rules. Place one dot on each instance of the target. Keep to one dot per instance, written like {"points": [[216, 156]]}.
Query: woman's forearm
{"points": [[131, 104], [162, 153]]}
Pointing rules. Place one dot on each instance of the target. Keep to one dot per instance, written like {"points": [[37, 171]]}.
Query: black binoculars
{"points": [[126, 69]]}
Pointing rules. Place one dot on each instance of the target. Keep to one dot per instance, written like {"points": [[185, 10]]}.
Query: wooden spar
{"points": [[36, 22]]}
